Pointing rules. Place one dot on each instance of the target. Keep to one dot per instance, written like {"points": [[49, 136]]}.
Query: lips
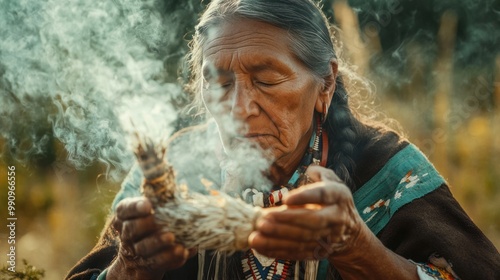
{"points": [[252, 137]]}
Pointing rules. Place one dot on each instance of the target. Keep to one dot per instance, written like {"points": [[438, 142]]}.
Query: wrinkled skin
{"points": [[250, 74], [146, 251], [316, 221]]}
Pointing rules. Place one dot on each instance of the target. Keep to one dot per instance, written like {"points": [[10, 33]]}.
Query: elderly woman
{"points": [[383, 212]]}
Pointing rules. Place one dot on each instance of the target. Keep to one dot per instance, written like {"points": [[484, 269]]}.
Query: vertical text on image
{"points": [[11, 217]]}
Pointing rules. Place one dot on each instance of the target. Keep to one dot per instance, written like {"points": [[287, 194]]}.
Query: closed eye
{"points": [[267, 83]]}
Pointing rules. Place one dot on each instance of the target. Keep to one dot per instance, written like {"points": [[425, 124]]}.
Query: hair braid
{"points": [[343, 131]]}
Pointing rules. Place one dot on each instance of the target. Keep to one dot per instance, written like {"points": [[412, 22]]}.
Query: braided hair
{"points": [[312, 41], [345, 131]]}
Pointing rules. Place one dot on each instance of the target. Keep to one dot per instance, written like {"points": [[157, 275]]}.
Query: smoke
{"points": [[84, 73], [91, 74], [243, 163]]}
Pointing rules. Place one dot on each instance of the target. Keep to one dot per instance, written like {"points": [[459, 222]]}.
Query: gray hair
{"points": [[307, 26], [312, 41]]}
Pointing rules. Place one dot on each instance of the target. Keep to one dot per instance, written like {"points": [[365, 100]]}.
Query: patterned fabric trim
{"points": [[429, 271], [408, 175]]}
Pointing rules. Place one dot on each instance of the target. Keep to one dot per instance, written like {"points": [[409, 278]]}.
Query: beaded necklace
{"points": [[256, 266], [313, 156]]}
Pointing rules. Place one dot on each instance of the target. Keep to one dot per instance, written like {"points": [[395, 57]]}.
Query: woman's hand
{"points": [[146, 251], [317, 221], [320, 221]]}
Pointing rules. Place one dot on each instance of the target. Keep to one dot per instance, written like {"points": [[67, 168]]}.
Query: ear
{"points": [[329, 83]]}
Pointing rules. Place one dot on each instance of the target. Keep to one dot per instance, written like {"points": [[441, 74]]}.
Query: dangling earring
{"points": [[323, 115]]}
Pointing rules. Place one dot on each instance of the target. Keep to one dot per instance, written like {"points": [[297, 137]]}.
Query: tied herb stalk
{"points": [[213, 222]]}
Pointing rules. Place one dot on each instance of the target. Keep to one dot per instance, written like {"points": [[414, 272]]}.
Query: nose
{"points": [[244, 103]]}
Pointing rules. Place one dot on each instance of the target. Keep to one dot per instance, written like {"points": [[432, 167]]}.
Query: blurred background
{"points": [[434, 67]]}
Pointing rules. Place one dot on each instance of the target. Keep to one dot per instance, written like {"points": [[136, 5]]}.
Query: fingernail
{"points": [[142, 206], [264, 225], [167, 237], [251, 237], [260, 222], [137, 249]]}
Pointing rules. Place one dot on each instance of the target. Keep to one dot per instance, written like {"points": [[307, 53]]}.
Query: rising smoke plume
{"points": [[89, 75], [83, 72]]}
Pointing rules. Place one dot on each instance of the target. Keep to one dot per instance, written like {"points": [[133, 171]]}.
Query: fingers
{"points": [[313, 218], [322, 192], [285, 241], [171, 258], [144, 245], [316, 220], [156, 251], [267, 244], [134, 218], [131, 208], [318, 173], [276, 229], [303, 224], [311, 193], [133, 230], [293, 250], [152, 244], [175, 258]]}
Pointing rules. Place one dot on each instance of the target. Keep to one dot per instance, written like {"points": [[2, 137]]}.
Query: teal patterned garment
{"points": [[408, 175]]}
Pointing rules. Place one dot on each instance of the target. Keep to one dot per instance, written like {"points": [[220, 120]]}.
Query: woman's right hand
{"points": [[146, 250]]}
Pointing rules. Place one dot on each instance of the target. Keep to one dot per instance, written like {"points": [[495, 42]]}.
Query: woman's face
{"points": [[250, 74]]}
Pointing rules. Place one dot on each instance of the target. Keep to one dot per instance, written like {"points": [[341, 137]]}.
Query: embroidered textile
{"points": [[382, 195], [432, 272]]}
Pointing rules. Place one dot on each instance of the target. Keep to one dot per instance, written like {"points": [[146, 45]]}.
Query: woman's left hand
{"points": [[317, 221]]}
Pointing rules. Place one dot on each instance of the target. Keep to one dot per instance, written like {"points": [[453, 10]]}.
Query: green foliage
{"points": [[29, 272], [407, 31]]}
